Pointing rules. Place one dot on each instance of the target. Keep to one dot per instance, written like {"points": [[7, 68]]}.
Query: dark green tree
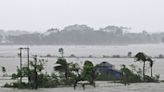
{"points": [[62, 67], [88, 71], [129, 76], [74, 68], [37, 76]]}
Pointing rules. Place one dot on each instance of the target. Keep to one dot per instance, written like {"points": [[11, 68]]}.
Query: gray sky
{"points": [[40, 15]]}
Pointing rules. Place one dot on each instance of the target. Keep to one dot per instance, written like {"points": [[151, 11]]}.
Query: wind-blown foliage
{"points": [[88, 71], [38, 79], [62, 67], [144, 58], [141, 57], [129, 76]]}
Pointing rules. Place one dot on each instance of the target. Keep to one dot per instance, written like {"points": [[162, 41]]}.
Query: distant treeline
{"points": [[83, 35]]}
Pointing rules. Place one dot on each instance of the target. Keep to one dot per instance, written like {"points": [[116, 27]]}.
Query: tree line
{"points": [[84, 35]]}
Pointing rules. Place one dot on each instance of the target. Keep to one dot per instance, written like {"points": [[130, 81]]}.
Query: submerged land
{"points": [[71, 74]]}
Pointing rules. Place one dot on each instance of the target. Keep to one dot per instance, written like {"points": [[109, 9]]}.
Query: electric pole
{"points": [[28, 64], [36, 74], [20, 64]]}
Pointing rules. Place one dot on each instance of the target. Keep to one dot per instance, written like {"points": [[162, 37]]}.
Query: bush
{"points": [[130, 77]]}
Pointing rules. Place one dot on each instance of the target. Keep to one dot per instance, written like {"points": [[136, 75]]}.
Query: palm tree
{"points": [[151, 62], [61, 51], [3, 70], [141, 57]]}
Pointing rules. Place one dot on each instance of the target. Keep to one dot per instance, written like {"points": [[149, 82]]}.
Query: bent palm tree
{"points": [[142, 57], [63, 67]]}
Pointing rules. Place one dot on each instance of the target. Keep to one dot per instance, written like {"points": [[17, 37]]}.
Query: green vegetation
{"points": [[66, 74], [143, 58], [129, 76], [37, 77], [88, 72], [66, 71], [134, 75], [70, 74]]}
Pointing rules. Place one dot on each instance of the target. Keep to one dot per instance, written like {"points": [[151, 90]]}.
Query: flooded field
{"points": [[10, 60], [101, 87]]}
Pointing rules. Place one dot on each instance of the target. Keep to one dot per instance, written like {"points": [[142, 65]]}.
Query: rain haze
{"points": [[82, 45], [40, 15]]}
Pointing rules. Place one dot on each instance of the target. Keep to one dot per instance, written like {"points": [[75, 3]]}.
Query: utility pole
{"points": [[20, 64], [28, 64], [36, 74]]}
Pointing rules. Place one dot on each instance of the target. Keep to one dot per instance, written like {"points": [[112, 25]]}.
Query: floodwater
{"points": [[9, 59], [100, 87]]}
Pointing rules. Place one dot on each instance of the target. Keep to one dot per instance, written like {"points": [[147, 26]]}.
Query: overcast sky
{"points": [[40, 15]]}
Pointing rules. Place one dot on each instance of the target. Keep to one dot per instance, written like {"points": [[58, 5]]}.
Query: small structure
{"points": [[108, 71]]}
